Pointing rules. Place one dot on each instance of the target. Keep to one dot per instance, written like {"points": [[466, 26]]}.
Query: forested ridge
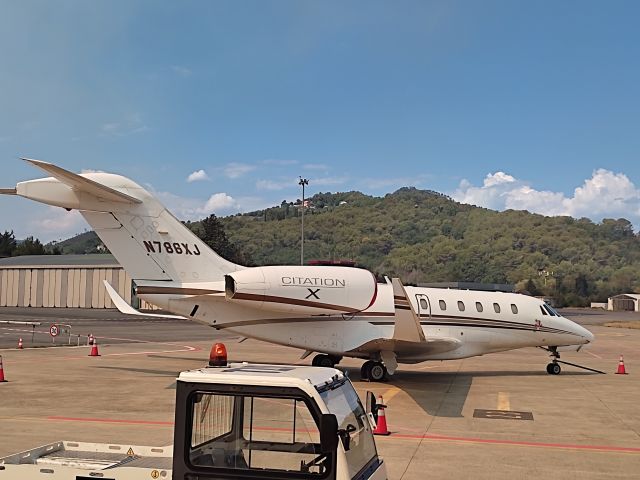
{"points": [[424, 236]]}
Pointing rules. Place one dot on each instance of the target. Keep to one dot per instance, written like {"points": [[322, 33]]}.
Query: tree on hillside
{"points": [[29, 246], [7, 244], [213, 234]]}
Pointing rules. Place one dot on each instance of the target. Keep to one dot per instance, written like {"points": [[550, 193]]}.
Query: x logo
{"points": [[313, 293]]}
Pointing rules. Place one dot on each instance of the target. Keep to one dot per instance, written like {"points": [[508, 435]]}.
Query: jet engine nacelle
{"points": [[301, 289]]}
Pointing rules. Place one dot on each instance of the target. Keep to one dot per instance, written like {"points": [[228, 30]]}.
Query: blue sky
{"points": [[503, 104]]}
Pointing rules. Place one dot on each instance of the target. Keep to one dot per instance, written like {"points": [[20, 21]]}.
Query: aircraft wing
{"points": [[80, 183], [127, 309]]}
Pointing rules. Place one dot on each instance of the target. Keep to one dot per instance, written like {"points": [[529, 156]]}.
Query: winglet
{"points": [[127, 309], [78, 182], [407, 326]]}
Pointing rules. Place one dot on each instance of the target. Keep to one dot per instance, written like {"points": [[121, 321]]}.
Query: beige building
{"points": [[63, 281], [624, 302]]}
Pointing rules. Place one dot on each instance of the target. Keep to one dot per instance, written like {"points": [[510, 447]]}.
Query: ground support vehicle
{"points": [[239, 421]]}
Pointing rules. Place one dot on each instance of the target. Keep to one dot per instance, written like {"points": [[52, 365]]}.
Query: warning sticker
{"points": [[130, 452]]}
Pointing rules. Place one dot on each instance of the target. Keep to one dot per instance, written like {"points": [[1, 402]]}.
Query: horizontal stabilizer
{"points": [[407, 328], [7, 191], [127, 309], [80, 183]]}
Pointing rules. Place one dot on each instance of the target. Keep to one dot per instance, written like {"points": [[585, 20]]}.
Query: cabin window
{"points": [[461, 306], [496, 308], [479, 306], [544, 312], [514, 308], [424, 305], [443, 305]]}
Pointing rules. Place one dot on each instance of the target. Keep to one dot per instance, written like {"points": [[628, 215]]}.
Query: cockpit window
{"points": [[551, 311], [496, 308], [544, 312]]}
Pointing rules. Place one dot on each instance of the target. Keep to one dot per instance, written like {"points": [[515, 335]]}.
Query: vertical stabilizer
{"points": [[147, 240]]}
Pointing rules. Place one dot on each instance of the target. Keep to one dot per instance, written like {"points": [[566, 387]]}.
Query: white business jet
{"points": [[333, 311]]}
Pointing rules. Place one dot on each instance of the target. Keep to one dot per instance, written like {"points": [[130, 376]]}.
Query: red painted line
{"points": [[602, 448], [109, 420], [605, 448]]}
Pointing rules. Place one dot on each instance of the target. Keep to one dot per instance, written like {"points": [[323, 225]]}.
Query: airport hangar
{"points": [[64, 281]]}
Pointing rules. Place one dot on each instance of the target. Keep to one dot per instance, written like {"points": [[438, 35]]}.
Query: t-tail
{"points": [[148, 241]]}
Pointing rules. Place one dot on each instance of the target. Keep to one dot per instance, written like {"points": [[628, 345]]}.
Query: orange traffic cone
{"points": [[20, 344], [621, 369], [94, 349], [1, 371], [381, 424]]}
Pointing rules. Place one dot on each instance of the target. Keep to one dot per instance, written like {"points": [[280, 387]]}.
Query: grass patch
{"points": [[633, 324]]}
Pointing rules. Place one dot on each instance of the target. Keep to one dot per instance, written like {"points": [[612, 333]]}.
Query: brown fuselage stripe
{"points": [[292, 301], [142, 290]]}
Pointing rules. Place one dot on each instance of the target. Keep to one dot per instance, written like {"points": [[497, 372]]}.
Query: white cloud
{"points": [[605, 194], [325, 181], [279, 162], [181, 70], [315, 166], [274, 185], [218, 202], [237, 170], [56, 223], [197, 176], [129, 125]]}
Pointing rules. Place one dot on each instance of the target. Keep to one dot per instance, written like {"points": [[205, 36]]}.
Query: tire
{"points": [[555, 369], [549, 368], [365, 370], [323, 361], [377, 372]]}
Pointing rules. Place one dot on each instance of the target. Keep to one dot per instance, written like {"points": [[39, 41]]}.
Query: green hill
{"points": [[424, 236]]}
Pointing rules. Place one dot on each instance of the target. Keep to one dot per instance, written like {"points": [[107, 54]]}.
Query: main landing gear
{"points": [[373, 371], [323, 360]]}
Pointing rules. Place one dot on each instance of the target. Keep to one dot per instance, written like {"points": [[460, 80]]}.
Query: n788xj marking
{"points": [[334, 311]]}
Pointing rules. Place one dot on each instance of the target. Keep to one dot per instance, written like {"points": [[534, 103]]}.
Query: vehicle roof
{"points": [[260, 374]]}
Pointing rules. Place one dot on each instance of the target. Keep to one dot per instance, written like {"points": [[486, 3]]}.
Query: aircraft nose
{"points": [[583, 332]]}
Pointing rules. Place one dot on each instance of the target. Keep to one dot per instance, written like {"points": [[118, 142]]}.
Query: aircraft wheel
{"points": [[377, 372], [554, 368], [323, 360], [366, 369]]}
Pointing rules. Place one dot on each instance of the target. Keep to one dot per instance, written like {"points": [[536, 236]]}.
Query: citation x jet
{"points": [[332, 311]]}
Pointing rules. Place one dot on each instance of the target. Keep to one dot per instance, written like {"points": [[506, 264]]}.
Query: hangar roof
{"points": [[634, 296], [92, 260]]}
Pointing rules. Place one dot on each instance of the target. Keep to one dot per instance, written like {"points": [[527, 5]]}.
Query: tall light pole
{"points": [[302, 182]]}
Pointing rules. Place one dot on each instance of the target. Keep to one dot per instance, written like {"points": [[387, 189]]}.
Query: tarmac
{"points": [[577, 425]]}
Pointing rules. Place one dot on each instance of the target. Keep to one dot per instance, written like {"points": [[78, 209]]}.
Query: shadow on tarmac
{"points": [[443, 394]]}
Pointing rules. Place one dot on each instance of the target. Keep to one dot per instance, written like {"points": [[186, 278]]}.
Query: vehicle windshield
{"points": [[257, 434], [344, 403]]}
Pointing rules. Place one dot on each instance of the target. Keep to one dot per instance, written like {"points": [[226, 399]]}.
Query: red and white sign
{"points": [[53, 330]]}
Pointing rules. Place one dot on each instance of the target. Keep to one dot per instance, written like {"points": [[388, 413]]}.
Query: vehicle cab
{"points": [[272, 421]]}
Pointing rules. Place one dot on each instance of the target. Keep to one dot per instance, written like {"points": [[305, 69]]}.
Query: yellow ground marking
{"points": [[389, 394], [503, 401]]}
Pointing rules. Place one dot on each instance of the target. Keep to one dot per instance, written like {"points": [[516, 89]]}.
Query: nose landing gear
{"points": [[554, 367]]}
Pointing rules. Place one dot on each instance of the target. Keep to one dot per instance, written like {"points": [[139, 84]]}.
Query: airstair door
{"points": [[424, 306]]}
